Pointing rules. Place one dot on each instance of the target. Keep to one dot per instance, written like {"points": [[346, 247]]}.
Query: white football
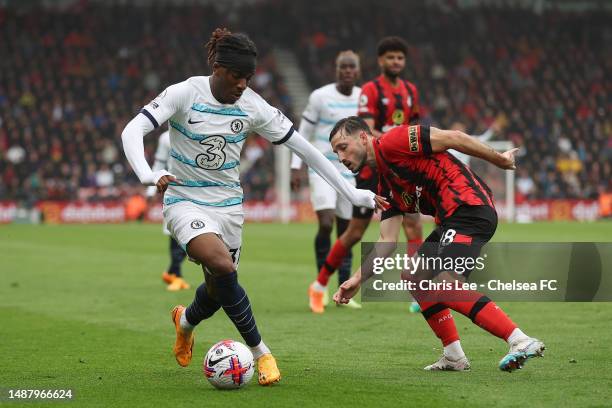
{"points": [[229, 365]]}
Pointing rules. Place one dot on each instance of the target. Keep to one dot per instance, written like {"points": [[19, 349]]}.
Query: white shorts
{"points": [[186, 220], [324, 197]]}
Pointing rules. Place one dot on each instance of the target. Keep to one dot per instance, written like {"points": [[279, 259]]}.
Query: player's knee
{"points": [[220, 265], [326, 221], [352, 236], [325, 228]]}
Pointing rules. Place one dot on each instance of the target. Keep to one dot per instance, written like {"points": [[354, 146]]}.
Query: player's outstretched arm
{"points": [[389, 232], [133, 146], [442, 140], [316, 161]]}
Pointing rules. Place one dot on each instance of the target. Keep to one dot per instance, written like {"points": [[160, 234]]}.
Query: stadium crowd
{"points": [[543, 75], [73, 78]]}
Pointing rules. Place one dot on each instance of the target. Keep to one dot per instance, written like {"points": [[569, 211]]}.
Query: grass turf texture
{"points": [[83, 307]]}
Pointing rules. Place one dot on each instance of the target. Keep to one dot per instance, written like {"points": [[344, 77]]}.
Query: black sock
{"points": [[177, 255], [202, 307], [237, 307], [345, 269], [322, 247]]}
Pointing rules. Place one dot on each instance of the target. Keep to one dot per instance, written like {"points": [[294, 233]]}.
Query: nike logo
{"points": [[192, 122], [213, 363]]}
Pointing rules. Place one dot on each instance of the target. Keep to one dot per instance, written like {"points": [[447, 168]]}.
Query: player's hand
{"points": [[507, 159], [347, 290], [296, 179], [164, 181], [381, 203]]}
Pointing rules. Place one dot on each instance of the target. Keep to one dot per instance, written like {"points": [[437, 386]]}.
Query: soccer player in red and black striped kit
{"points": [[385, 102], [417, 174]]}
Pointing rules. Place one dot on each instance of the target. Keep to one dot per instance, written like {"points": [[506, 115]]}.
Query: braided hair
{"points": [[229, 49]]}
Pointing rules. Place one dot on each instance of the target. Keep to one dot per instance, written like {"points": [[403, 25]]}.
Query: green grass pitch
{"points": [[83, 307]]}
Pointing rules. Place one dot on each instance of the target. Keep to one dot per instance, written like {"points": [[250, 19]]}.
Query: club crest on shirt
{"points": [[197, 224], [398, 117], [236, 126]]}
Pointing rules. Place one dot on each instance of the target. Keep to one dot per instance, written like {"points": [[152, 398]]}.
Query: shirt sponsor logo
{"points": [[363, 100], [213, 157]]}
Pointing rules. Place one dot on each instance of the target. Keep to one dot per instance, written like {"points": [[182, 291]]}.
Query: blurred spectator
{"points": [[545, 71], [74, 78]]}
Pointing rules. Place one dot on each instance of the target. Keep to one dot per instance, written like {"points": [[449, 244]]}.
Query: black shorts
{"points": [[462, 235], [370, 183]]}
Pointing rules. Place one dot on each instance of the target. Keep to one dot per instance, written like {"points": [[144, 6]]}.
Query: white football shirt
{"points": [[326, 106], [206, 138]]}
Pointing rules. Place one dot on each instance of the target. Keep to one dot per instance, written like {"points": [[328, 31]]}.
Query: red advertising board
{"points": [[60, 212]]}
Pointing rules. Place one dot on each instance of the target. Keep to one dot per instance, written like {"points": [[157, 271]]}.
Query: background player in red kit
{"points": [[385, 102], [416, 173]]}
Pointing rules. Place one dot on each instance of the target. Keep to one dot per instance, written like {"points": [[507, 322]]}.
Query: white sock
{"points": [[454, 351], [318, 287], [516, 335], [259, 350], [185, 325]]}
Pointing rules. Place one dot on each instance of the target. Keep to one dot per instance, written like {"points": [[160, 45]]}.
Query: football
{"points": [[229, 365]]}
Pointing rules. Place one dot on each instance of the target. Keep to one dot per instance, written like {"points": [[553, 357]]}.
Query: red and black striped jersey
{"points": [[389, 105], [414, 179]]}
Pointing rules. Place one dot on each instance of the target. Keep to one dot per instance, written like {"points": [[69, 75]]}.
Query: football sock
{"points": [[482, 311], [237, 307], [333, 260], [318, 287], [441, 322], [185, 325], [454, 350], [345, 269], [322, 244], [202, 307], [414, 245], [177, 255], [516, 335], [259, 350]]}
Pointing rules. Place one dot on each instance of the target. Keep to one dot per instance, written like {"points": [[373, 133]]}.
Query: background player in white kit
{"points": [[327, 105], [172, 275], [209, 119]]}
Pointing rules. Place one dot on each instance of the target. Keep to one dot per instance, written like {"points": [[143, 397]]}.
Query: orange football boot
{"points": [[167, 277], [183, 345], [316, 300], [268, 371]]}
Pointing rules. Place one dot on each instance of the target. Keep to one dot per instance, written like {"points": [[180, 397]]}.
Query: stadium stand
{"points": [[76, 76]]}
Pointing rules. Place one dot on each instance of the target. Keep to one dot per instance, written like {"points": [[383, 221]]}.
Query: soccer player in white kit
{"points": [[172, 276], [209, 119], [327, 105]]}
